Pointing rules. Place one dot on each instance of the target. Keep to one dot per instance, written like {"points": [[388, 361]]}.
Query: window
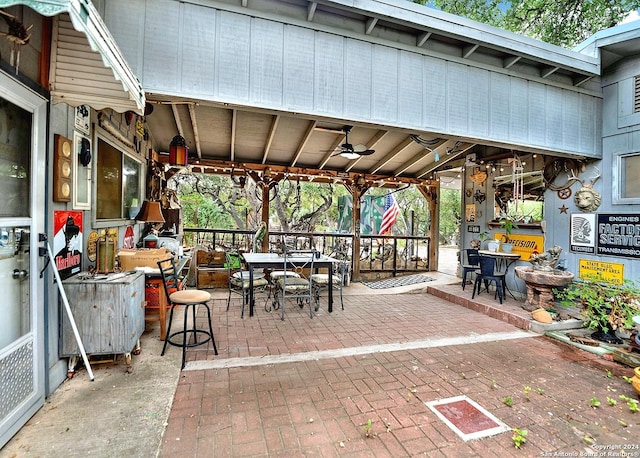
{"points": [[626, 189], [118, 186]]}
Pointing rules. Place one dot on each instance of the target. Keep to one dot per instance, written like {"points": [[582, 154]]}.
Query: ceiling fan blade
{"points": [[367, 152]]}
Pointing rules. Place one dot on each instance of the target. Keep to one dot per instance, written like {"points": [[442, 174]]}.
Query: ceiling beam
{"points": [[422, 39], [270, 137], [391, 154], [194, 126], [457, 149], [468, 50], [303, 143], [418, 157], [371, 144], [176, 117], [232, 140], [336, 144], [371, 24], [548, 71], [509, 62], [311, 10]]}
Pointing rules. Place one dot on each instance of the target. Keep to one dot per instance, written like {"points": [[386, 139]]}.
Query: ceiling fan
{"points": [[349, 151]]}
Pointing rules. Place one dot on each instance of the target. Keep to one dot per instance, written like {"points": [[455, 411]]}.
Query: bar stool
{"points": [[189, 299]]}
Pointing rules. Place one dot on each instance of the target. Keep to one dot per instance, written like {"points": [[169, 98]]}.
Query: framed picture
{"points": [[83, 119], [81, 172], [470, 213]]}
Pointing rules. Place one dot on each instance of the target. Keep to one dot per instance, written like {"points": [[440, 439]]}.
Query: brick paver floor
{"points": [[392, 353]]}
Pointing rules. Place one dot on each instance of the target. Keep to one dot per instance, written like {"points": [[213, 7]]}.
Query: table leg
{"points": [[252, 302], [330, 296]]}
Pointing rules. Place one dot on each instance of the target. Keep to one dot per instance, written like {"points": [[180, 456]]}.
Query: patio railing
{"points": [[391, 254]]}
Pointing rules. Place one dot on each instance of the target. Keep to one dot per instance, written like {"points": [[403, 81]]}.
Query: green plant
{"points": [[508, 401], [367, 428], [540, 391], [508, 224], [611, 401], [527, 390], [631, 403], [604, 306], [519, 437], [594, 402]]}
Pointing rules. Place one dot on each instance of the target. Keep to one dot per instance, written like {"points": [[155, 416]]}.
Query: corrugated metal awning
{"points": [[87, 67]]}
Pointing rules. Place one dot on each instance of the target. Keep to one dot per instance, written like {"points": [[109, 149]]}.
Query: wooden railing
{"points": [[385, 254]]}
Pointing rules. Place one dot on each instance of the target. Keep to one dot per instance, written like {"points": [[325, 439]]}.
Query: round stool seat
{"points": [[190, 296]]}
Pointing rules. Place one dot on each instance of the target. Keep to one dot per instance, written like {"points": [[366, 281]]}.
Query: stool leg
{"points": [[166, 338], [213, 340], [184, 335], [195, 332]]}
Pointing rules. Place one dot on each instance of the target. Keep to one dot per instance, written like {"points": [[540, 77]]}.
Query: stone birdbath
{"points": [[541, 278]]}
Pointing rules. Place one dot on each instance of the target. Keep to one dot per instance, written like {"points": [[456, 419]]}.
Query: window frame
{"points": [[618, 183], [124, 152]]}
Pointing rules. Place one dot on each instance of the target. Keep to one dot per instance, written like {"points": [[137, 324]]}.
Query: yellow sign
{"points": [[609, 272], [523, 244]]}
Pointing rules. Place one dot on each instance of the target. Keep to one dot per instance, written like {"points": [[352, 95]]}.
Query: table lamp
{"points": [[151, 212]]}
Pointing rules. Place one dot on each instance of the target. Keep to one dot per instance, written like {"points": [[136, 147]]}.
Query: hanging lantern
{"points": [[178, 151]]}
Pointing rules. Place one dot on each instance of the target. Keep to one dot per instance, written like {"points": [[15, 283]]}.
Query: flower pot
{"points": [[506, 247], [493, 245]]}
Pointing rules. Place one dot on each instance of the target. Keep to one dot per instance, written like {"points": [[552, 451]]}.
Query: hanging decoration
{"points": [[18, 35], [517, 178]]}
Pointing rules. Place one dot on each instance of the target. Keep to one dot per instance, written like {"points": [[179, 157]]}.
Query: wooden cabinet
{"points": [[109, 314]]}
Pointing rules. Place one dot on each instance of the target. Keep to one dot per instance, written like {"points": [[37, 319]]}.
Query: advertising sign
{"points": [[618, 235], [597, 271], [67, 242], [583, 233], [524, 244]]}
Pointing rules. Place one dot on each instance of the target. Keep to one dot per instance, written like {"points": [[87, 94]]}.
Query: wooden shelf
{"points": [[496, 224]]}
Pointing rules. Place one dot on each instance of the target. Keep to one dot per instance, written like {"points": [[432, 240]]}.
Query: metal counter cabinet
{"points": [[109, 314]]}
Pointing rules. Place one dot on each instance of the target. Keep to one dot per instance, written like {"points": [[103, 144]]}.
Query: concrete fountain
{"points": [[541, 277]]}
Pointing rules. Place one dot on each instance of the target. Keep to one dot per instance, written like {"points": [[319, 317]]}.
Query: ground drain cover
{"points": [[466, 418], [398, 281]]}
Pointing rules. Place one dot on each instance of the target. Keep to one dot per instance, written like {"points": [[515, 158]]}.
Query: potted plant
{"points": [[605, 307], [479, 242], [508, 224]]}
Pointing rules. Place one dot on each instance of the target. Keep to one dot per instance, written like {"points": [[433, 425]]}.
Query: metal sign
{"points": [[524, 244], [618, 235], [597, 271]]}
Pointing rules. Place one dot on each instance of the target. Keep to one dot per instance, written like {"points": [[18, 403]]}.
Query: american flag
{"points": [[390, 215]]}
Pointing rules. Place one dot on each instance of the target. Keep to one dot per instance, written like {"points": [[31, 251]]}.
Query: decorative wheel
{"points": [[564, 193]]}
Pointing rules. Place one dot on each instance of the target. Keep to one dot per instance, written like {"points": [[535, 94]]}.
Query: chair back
{"points": [[170, 277], [233, 262], [487, 265], [473, 257], [300, 262]]}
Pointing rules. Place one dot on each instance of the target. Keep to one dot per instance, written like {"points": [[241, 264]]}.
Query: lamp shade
{"points": [[178, 151], [151, 212]]}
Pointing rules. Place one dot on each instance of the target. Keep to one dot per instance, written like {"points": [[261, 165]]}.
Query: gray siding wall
{"points": [[231, 57]]}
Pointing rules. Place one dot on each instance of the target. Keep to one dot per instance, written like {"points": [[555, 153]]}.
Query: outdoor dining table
{"points": [[275, 261], [502, 260]]}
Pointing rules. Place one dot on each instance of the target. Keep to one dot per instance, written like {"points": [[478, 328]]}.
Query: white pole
{"points": [[69, 313]]}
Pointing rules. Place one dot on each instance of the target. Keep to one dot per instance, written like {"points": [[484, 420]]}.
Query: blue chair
{"points": [[472, 265], [489, 275]]}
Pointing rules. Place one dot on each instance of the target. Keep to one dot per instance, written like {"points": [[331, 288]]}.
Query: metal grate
{"points": [[16, 373], [636, 94]]}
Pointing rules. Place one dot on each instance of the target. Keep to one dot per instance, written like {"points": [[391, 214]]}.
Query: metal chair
{"points": [[338, 279], [472, 265], [239, 279], [189, 299], [299, 288], [488, 275]]}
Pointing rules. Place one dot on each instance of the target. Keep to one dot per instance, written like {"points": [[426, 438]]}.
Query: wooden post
{"points": [[431, 193], [265, 217]]}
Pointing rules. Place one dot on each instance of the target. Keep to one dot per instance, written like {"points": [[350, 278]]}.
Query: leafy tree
{"points": [[561, 22]]}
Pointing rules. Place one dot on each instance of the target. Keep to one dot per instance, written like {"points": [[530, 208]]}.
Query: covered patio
{"points": [[304, 386]]}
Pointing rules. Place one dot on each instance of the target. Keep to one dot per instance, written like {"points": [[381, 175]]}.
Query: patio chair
{"points": [[190, 299], [239, 280], [489, 275], [321, 281], [299, 288], [472, 265]]}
